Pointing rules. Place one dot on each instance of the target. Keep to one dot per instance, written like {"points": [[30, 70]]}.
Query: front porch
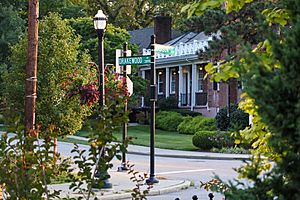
{"points": [[184, 82]]}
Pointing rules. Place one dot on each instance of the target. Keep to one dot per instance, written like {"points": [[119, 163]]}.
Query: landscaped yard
{"points": [[163, 139]]}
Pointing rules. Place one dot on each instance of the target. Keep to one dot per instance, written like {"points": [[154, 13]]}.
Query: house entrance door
{"points": [[185, 96]]}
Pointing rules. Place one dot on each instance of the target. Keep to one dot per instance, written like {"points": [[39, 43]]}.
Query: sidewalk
{"points": [[122, 187]]}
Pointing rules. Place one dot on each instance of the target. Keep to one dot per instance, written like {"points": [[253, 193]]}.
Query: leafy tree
{"points": [[113, 39], [58, 61], [11, 28], [269, 72], [135, 14]]}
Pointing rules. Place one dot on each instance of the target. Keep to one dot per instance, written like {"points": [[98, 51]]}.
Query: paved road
{"points": [[195, 170], [187, 169]]}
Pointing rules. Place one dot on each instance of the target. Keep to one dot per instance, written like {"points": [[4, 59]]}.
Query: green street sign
{"points": [[163, 49], [135, 60]]}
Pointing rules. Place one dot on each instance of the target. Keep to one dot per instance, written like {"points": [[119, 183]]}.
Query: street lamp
{"points": [[100, 24]]}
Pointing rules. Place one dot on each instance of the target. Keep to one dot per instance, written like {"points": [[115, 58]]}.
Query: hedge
{"points": [[191, 125], [168, 121], [238, 119], [185, 112], [206, 140]]}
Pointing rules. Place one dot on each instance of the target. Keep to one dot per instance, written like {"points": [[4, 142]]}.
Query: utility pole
{"points": [[31, 67]]}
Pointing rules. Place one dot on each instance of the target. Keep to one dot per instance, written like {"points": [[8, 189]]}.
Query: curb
{"points": [[191, 156], [174, 188]]}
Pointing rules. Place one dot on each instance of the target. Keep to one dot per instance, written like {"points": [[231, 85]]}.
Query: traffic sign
{"points": [[120, 67], [129, 86], [135, 60], [164, 49]]}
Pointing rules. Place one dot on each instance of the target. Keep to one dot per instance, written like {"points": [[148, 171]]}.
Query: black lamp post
{"points": [[153, 98], [100, 24]]}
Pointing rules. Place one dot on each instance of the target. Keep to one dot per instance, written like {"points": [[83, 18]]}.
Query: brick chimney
{"points": [[162, 28]]}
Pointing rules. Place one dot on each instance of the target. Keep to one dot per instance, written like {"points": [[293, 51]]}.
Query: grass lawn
{"points": [[163, 139]]}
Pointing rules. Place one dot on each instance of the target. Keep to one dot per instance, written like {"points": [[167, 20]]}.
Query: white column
{"points": [[167, 81], [194, 85], [180, 85], [143, 74]]}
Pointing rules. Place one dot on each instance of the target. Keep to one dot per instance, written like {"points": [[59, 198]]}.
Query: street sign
{"points": [[164, 49], [129, 86], [135, 60], [120, 67]]}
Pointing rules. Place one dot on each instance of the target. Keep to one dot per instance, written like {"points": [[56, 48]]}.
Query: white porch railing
{"points": [[182, 49]]}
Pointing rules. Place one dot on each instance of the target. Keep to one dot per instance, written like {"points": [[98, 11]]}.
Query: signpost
{"points": [[135, 60], [119, 68], [164, 49]]}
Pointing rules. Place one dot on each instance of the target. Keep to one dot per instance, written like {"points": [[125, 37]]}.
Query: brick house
{"points": [[182, 75]]}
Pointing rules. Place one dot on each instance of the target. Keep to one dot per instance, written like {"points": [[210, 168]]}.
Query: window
{"points": [[160, 83], [173, 81], [200, 79], [216, 86]]}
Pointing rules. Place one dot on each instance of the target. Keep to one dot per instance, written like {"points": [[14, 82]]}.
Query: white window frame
{"points": [[160, 81], [198, 79], [173, 72]]}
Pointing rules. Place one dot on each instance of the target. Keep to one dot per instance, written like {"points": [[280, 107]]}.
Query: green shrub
{"points": [[234, 150], [168, 103], [206, 140], [1, 119], [191, 125], [238, 119], [168, 121], [141, 118], [223, 139], [185, 112]]}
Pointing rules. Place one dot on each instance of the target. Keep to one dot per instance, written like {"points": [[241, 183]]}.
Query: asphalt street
{"points": [[195, 170]]}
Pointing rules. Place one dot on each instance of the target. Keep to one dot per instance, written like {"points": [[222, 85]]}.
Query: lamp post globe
{"points": [[100, 20]]}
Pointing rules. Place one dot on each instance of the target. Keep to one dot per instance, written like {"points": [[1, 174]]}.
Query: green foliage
{"points": [[139, 180], [58, 62], [191, 125], [101, 152], [205, 140], [211, 21], [28, 164], [141, 118], [11, 28], [269, 73], [133, 14], [168, 103], [233, 150], [185, 112], [168, 121], [238, 119], [114, 38], [139, 89]]}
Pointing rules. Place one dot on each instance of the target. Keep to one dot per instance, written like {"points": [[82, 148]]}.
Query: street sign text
{"points": [[135, 60]]}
